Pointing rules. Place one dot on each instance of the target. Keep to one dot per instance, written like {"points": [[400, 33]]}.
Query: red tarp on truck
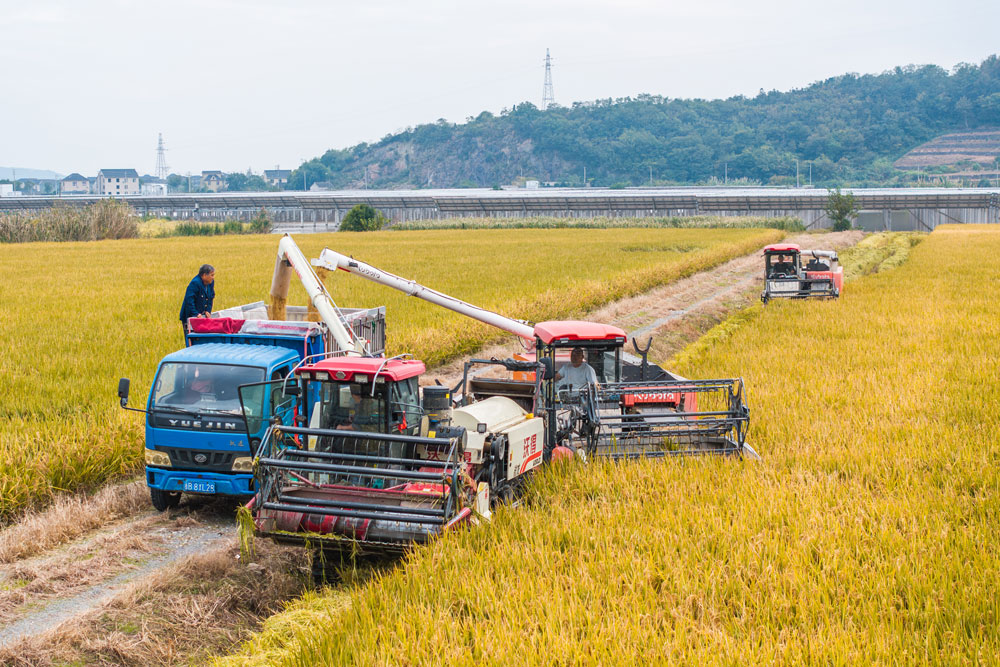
{"points": [[225, 325]]}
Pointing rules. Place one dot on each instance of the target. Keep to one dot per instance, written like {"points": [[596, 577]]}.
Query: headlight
{"points": [[155, 458], [243, 464]]}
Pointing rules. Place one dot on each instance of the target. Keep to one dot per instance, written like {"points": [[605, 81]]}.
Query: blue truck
{"points": [[197, 438]]}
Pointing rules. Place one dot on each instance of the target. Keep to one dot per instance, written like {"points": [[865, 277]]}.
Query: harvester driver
{"points": [[784, 265], [575, 375]]}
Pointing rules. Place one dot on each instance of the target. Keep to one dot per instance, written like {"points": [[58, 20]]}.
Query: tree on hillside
{"points": [[841, 209], [363, 218], [313, 171], [177, 183], [239, 182]]}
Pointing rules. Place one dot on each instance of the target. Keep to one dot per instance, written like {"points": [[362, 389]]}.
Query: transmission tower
{"points": [[548, 97], [162, 171]]}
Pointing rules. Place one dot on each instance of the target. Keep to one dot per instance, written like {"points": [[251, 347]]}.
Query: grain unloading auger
{"points": [[633, 410]]}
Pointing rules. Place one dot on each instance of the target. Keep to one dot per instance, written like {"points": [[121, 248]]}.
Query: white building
{"points": [[155, 189], [117, 182], [213, 180], [277, 177], [74, 184]]}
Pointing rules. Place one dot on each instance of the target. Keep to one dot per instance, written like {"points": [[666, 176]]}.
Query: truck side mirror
{"points": [[123, 391]]}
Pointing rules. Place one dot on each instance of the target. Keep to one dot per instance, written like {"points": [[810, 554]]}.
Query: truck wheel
{"points": [[163, 500]]}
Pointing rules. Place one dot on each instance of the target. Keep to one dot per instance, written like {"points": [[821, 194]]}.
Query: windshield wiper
{"points": [[170, 408], [224, 412]]}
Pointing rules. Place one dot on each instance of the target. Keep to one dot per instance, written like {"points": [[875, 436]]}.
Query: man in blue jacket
{"points": [[199, 296]]}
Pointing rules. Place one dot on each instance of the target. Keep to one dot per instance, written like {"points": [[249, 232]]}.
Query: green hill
{"points": [[849, 129]]}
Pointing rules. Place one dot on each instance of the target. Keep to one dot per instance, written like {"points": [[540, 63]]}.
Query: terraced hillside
{"points": [[981, 146]]}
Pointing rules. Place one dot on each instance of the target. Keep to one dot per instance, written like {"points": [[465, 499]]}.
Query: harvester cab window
{"points": [[779, 265], [604, 358], [605, 363], [281, 402], [351, 406], [406, 409]]}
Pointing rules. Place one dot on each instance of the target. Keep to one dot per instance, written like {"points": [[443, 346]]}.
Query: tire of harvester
{"points": [[164, 500]]}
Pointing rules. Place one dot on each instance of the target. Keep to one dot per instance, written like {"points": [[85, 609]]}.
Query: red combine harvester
{"points": [[785, 276], [365, 460]]}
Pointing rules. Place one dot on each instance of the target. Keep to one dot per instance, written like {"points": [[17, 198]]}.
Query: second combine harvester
{"points": [[368, 461]]}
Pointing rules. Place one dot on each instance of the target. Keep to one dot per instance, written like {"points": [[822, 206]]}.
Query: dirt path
{"points": [[107, 580]]}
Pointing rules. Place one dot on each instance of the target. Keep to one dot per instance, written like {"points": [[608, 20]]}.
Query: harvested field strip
{"points": [[878, 252], [94, 312], [76, 568], [178, 615], [866, 534], [69, 518]]}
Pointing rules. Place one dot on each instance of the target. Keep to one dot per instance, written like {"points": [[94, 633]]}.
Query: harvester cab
{"points": [[366, 465], [786, 276]]}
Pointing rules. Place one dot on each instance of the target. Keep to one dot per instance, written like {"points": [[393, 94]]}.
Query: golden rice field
{"points": [[867, 534], [77, 316]]}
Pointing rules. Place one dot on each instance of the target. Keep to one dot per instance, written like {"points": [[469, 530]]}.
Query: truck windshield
{"points": [[202, 387], [350, 406]]}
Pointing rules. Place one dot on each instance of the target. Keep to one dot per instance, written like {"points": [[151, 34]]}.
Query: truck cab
{"points": [[196, 434], [199, 440]]}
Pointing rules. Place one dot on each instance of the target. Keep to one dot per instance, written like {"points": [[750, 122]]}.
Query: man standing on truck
{"points": [[199, 296]]}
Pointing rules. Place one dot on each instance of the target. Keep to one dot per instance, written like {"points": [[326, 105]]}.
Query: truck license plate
{"points": [[198, 486]]}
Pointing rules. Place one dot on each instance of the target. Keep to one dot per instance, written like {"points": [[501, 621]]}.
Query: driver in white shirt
{"points": [[577, 374]]}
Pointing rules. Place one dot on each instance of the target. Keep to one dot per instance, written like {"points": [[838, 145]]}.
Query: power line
{"points": [[548, 96]]}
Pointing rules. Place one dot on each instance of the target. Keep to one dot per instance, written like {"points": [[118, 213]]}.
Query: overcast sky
{"points": [[258, 83]]}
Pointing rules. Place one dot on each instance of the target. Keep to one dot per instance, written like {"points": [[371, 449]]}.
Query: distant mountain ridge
{"points": [[848, 129], [8, 173]]}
